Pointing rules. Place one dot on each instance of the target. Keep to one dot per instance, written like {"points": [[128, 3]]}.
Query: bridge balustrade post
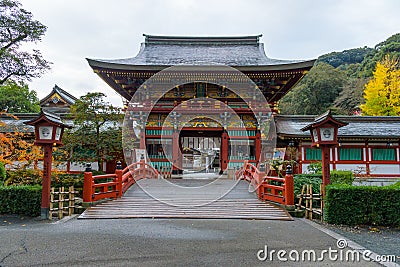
{"points": [[118, 174], [87, 185], [289, 187], [260, 181]]}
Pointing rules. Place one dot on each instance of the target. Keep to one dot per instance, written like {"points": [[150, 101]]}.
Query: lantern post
{"points": [[49, 130], [324, 134]]}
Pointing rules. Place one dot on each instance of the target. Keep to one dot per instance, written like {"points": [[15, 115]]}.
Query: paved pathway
{"points": [[163, 242]]}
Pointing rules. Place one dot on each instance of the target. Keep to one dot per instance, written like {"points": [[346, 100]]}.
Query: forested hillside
{"points": [[338, 80]]}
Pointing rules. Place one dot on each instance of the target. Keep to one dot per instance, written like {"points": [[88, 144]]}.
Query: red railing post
{"points": [[289, 187], [260, 181], [118, 174], [87, 185], [260, 191]]}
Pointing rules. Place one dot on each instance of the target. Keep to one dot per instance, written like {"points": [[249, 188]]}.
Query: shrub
{"points": [[22, 200], [3, 175], [66, 180], [304, 179], [397, 184], [315, 167], [362, 205], [337, 177], [342, 177], [24, 177]]}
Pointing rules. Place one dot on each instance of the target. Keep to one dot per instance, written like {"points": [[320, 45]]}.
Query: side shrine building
{"points": [[201, 137]]}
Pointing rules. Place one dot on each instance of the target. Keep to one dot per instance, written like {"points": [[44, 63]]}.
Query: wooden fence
{"points": [[62, 202], [313, 203]]}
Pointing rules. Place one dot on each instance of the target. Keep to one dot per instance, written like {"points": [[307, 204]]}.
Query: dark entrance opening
{"points": [[200, 148]]}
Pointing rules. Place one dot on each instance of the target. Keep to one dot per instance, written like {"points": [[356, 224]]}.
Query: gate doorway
{"points": [[201, 150]]}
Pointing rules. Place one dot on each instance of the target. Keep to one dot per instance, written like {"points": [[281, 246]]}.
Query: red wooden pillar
{"points": [[258, 146], [176, 158], [87, 186], [46, 183], [224, 151], [142, 139], [367, 159], [289, 187], [325, 165], [118, 174]]}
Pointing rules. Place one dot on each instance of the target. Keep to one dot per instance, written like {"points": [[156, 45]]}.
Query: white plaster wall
{"points": [[384, 168], [79, 167], [305, 165], [350, 167]]}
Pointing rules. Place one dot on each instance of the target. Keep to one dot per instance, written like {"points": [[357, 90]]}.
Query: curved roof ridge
{"points": [[222, 40]]}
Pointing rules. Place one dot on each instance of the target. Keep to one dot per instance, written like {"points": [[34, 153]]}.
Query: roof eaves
{"points": [[109, 64], [67, 96]]}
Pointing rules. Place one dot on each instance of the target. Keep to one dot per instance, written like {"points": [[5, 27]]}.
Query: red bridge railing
{"points": [[114, 185], [275, 189]]}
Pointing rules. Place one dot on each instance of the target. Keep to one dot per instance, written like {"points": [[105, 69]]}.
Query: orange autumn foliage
{"points": [[17, 149]]}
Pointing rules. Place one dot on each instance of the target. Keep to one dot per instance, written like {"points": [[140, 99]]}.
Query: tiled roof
{"points": [[15, 123], [67, 97], [170, 50], [358, 126]]}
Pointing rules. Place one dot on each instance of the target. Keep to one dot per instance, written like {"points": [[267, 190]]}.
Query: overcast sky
{"points": [[291, 29]]}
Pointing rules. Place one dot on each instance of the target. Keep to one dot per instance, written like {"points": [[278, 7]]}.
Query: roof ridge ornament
{"points": [[206, 40], [322, 119], [324, 115]]}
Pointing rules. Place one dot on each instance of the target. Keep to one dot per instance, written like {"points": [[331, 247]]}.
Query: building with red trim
{"points": [[272, 77], [369, 146]]}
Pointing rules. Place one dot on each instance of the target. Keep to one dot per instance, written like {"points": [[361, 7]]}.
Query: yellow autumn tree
{"points": [[382, 92]]}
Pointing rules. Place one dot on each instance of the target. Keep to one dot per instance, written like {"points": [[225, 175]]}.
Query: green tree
{"points": [[390, 46], [346, 57], [97, 135], [18, 27], [351, 96], [316, 92], [17, 98], [382, 93]]}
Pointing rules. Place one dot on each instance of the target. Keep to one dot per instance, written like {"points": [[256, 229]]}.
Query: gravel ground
{"points": [[381, 240]]}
